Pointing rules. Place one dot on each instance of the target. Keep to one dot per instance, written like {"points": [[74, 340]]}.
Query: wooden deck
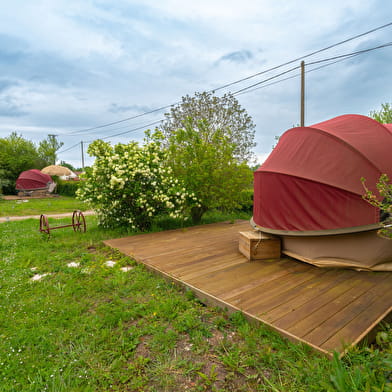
{"points": [[328, 309]]}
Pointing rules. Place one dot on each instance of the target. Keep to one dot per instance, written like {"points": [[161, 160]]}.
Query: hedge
{"points": [[67, 188]]}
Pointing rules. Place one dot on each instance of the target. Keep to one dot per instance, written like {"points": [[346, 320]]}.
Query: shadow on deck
{"points": [[328, 309]]}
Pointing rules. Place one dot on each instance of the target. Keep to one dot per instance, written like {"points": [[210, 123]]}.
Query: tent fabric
{"points": [[56, 170], [295, 204], [389, 127], [312, 179], [363, 251], [33, 180]]}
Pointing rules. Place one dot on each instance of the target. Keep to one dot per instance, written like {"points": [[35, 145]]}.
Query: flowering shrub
{"points": [[129, 185]]}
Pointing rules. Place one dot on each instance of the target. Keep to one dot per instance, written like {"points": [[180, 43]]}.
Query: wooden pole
{"points": [[302, 93], [81, 145]]}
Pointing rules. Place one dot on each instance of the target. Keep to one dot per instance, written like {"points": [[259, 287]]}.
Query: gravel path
{"points": [[17, 218]]}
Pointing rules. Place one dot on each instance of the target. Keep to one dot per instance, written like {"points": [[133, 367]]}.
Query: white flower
{"points": [[38, 277]]}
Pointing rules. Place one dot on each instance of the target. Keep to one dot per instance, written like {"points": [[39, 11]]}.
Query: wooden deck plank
{"points": [[317, 302], [332, 326], [229, 277], [186, 258], [280, 294], [260, 278], [351, 334], [213, 267], [272, 275], [253, 302], [321, 307], [311, 322], [311, 290], [155, 244]]}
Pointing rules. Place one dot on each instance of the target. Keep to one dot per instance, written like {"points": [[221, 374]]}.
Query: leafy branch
{"points": [[384, 188]]}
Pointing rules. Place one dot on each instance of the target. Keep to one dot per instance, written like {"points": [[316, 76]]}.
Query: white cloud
{"points": [[69, 61], [54, 27]]}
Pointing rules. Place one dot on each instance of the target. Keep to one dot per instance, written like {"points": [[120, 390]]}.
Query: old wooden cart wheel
{"points": [[44, 225], [78, 221]]}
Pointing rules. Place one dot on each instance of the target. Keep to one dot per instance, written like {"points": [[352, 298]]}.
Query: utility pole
{"points": [[302, 93], [54, 152], [81, 145]]}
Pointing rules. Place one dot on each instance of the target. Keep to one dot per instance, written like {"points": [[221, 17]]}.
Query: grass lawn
{"points": [[87, 326], [40, 206]]}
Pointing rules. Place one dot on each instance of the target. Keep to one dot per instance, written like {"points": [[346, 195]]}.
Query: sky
{"points": [[68, 65]]}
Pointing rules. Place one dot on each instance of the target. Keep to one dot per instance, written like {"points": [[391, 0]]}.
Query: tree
{"points": [[384, 115], [203, 159], [384, 187], [3, 181], [68, 165], [223, 114], [128, 184], [47, 150], [16, 155]]}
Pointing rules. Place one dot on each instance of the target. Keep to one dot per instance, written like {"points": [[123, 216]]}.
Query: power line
{"points": [[296, 75], [305, 56], [249, 88], [125, 119], [353, 53], [131, 130], [239, 80], [266, 80], [110, 136], [105, 130], [341, 57], [347, 55], [69, 148]]}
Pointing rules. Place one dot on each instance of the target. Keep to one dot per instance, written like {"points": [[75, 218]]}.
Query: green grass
{"points": [[40, 206], [96, 328]]}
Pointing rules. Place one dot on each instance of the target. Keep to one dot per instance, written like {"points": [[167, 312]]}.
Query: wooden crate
{"points": [[256, 245]]}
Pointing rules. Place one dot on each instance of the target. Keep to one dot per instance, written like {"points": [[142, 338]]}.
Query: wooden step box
{"points": [[256, 245]]}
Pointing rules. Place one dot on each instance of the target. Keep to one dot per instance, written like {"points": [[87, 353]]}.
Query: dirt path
{"points": [[17, 218]]}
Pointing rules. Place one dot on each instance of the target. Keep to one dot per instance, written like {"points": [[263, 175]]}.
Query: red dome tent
{"points": [[310, 187], [33, 180], [389, 127]]}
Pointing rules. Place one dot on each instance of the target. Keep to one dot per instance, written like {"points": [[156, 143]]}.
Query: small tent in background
{"points": [[309, 192], [61, 171], [34, 180]]}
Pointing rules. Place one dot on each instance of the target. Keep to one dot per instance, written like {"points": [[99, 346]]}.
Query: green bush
{"points": [[129, 185], [67, 188], [246, 200], [3, 181]]}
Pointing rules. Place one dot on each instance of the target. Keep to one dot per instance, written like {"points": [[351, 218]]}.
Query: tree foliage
{"points": [[384, 187], [47, 150], [384, 115], [383, 202], [16, 155], [223, 114], [128, 184], [68, 165], [3, 181], [203, 158]]}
